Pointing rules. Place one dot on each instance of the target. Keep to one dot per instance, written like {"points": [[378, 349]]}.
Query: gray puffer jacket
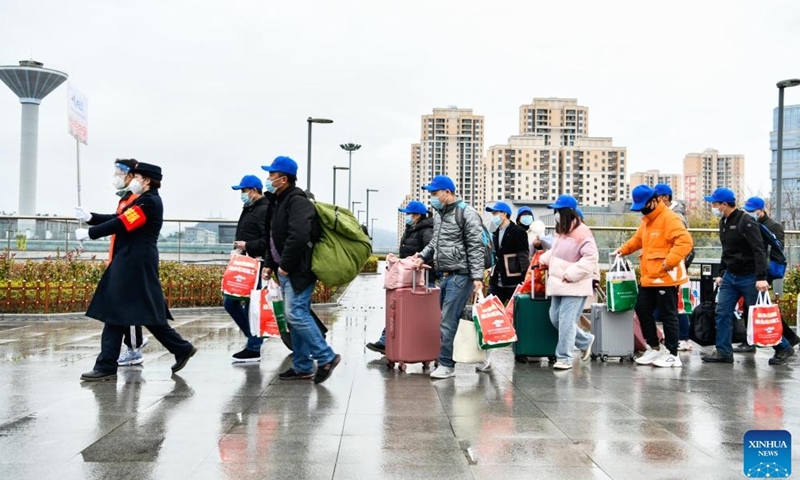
{"points": [[453, 250]]}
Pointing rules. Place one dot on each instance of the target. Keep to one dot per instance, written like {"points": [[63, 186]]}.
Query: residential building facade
{"points": [[652, 177], [705, 172]]}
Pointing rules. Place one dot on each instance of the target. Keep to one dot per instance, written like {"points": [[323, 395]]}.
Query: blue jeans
{"points": [[683, 326], [564, 315], [732, 288], [454, 294], [308, 344], [382, 340], [238, 310]]}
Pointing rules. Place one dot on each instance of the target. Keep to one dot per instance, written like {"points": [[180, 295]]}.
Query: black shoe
{"points": [[246, 356], [292, 375], [180, 362], [744, 348], [377, 347], [324, 371], [715, 357], [781, 357], [95, 376]]}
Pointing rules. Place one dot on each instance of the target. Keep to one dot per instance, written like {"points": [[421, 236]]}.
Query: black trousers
{"points": [[665, 299], [503, 293], [133, 336], [112, 344]]}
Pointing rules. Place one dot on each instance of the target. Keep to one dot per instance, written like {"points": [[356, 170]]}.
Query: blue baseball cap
{"points": [[564, 201], [579, 212], [500, 207], [641, 195], [249, 181], [283, 165], [414, 207], [754, 203], [524, 210], [663, 189], [440, 182], [723, 195]]}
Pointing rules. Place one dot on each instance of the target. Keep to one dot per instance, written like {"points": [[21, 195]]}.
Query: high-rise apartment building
{"points": [[554, 155], [652, 177], [791, 153], [705, 172], [451, 143]]}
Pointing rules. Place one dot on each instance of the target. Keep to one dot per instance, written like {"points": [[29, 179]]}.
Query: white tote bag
{"points": [[465, 345]]}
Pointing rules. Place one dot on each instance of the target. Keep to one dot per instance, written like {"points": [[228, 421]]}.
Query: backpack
{"points": [[703, 324], [486, 238], [777, 259], [342, 247]]}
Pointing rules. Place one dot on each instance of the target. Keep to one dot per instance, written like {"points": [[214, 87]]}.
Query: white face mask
{"points": [[136, 187], [118, 182], [753, 214], [717, 213]]}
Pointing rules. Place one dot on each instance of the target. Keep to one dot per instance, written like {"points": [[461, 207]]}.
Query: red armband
{"points": [[133, 218]]}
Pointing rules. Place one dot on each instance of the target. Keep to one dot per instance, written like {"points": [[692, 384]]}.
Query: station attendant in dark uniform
{"points": [[129, 293]]}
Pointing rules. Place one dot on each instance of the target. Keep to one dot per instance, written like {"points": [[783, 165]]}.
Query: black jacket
{"points": [[292, 221], [774, 227], [252, 227], [416, 237], [129, 292], [512, 257], [743, 251]]}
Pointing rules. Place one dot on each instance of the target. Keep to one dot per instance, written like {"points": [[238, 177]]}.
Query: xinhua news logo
{"points": [[767, 454]]}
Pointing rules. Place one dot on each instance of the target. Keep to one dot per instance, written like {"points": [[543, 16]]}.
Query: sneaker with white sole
{"points": [[484, 366], [685, 346], [130, 357], [650, 356], [246, 356], [559, 365], [587, 354], [443, 372], [668, 361]]}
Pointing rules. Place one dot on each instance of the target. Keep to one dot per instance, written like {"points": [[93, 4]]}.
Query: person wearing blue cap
{"points": [[293, 228], [755, 207], [418, 234], [743, 273], [573, 268], [665, 242], [511, 251], [457, 251], [251, 240]]}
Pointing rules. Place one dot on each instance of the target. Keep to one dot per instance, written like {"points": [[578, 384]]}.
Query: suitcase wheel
{"points": [[604, 358], [520, 359], [594, 357], [403, 367], [426, 365], [632, 357], [551, 359], [621, 359], [390, 365]]}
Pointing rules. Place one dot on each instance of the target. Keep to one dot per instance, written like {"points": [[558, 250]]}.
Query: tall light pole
{"points": [[334, 181], [372, 230], [353, 206], [349, 148], [783, 84], [366, 219], [359, 216], [308, 166]]}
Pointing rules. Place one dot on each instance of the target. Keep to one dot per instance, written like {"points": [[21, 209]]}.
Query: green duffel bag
{"points": [[342, 249]]}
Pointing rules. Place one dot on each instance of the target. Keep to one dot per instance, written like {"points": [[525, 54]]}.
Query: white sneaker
{"points": [[685, 346], [668, 361], [443, 372], [484, 366], [130, 357], [559, 365], [649, 356], [587, 354]]}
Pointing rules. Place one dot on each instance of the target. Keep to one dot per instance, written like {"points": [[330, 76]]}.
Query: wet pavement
{"points": [[220, 421]]}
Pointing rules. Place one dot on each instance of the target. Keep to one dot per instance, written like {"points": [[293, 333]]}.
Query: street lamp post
{"points": [[334, 181], [366, 219], [783, 84], [359, 216], [308, 165], [372, 229], [353, 206], [349, 148]]}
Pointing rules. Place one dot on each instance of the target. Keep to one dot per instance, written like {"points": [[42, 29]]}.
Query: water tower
{"points": [[31, 83]]}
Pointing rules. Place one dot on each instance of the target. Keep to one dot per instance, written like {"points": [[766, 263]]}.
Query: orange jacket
{"points": [[664, 241]]}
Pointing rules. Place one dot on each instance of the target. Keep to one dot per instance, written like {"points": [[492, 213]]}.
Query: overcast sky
{"points": [[213, 90]]}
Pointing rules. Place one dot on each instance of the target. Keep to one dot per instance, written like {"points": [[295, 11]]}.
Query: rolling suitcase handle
{"points": [[414, 283]]}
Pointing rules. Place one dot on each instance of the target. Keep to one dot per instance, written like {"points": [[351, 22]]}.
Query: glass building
{"points": [[791, 150]]}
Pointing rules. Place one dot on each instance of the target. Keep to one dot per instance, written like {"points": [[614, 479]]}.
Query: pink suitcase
{"points": [[412, 326], [639, 342]]}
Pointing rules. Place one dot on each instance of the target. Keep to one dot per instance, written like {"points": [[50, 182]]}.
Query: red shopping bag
{"points": [[764, 328], [510, 306], [495, 328], [263, 320], [241, 276]]}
